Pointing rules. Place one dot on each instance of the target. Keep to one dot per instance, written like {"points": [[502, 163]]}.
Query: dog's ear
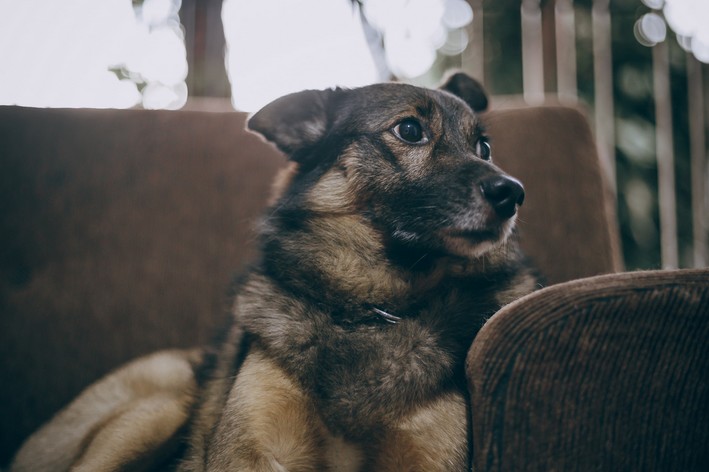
{"points": [[295, 121], [468, 89]]}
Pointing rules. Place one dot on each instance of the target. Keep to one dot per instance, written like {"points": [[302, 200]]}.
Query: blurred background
{"points": [[638, 69]]}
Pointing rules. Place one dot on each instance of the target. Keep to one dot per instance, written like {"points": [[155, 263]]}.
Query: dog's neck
{"points": [[334, 258], [338, 260]]}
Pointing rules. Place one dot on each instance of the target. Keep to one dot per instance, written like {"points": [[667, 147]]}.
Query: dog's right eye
{"points": [[410, 131]]}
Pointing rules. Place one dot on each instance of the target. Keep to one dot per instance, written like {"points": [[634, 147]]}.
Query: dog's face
{"points": [[415, 162]]}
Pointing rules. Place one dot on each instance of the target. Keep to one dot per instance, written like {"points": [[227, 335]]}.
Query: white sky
{"points": [[58, 53], [280, 46]]}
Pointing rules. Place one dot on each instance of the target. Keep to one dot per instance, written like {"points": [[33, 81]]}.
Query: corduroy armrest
{"points": [[605, 373]]}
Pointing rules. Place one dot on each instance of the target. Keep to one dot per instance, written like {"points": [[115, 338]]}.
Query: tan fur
{"points": [[127, 419], [347, 253], [345, 247], [253, 435], [333, 194], [342, 456], [431, 439], [211, 404], [281, 182], [286, 433]]}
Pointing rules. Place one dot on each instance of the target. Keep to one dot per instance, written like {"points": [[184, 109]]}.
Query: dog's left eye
{"points": [[410, 131], [483, 149]]}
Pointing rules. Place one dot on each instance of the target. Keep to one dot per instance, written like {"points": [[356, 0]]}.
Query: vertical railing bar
{"points": [[603, 84], [473, 59], [532, 55], [665, 156], [705, 91], [565, 32], [697, 144]]}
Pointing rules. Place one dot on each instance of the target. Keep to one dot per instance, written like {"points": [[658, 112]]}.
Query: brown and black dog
{"points": [[390, 244]]}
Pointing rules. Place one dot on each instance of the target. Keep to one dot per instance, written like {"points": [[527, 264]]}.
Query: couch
{"points": [[120, 231]]}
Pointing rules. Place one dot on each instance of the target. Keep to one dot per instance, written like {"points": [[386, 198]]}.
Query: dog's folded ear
{"points": [[295, 121], [468, 89]]}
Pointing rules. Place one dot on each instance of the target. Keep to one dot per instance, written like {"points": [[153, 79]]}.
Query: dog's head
{"points": [[414, 162]]}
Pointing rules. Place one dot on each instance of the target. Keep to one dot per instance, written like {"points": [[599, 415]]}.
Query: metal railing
{"points": [[534, 67]]}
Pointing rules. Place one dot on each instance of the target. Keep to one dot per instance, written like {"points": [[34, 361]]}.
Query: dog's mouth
{"points": [[472, 236], [475, 242]]}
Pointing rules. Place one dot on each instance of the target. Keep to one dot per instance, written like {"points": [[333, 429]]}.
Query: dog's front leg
{"points": [[268, 424]]}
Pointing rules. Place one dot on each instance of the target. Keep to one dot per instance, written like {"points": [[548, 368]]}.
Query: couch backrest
{"points": [[120, 232], [567, 223]]}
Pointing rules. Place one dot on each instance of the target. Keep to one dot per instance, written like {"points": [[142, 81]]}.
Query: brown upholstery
{"points": [[119, 234], [120, 231], [609, 373]]}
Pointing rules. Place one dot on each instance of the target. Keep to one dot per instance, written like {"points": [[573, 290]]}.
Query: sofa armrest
{"points": [[604, 373]]}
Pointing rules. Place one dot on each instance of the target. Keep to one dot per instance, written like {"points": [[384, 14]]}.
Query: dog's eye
{"points": [[410, 131], [483, 149]]}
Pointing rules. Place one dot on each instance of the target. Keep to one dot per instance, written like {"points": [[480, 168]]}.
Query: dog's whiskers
{"points": [[418, 260]]}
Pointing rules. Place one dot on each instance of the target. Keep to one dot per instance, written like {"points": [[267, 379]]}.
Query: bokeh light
{"points": [[650, 29], [689, 19], [414, 31]]}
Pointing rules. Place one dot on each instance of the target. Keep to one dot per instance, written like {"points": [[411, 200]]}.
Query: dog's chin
{"points": [[473, 243]]}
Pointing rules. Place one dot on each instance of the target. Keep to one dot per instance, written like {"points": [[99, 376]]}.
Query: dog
{"points": [[390, 242]]}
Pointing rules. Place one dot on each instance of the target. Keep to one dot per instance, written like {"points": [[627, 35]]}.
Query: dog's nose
{"points": [[504, 194]]}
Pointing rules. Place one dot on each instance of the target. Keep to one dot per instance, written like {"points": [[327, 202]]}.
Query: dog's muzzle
{"points": [[504, 195]]}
